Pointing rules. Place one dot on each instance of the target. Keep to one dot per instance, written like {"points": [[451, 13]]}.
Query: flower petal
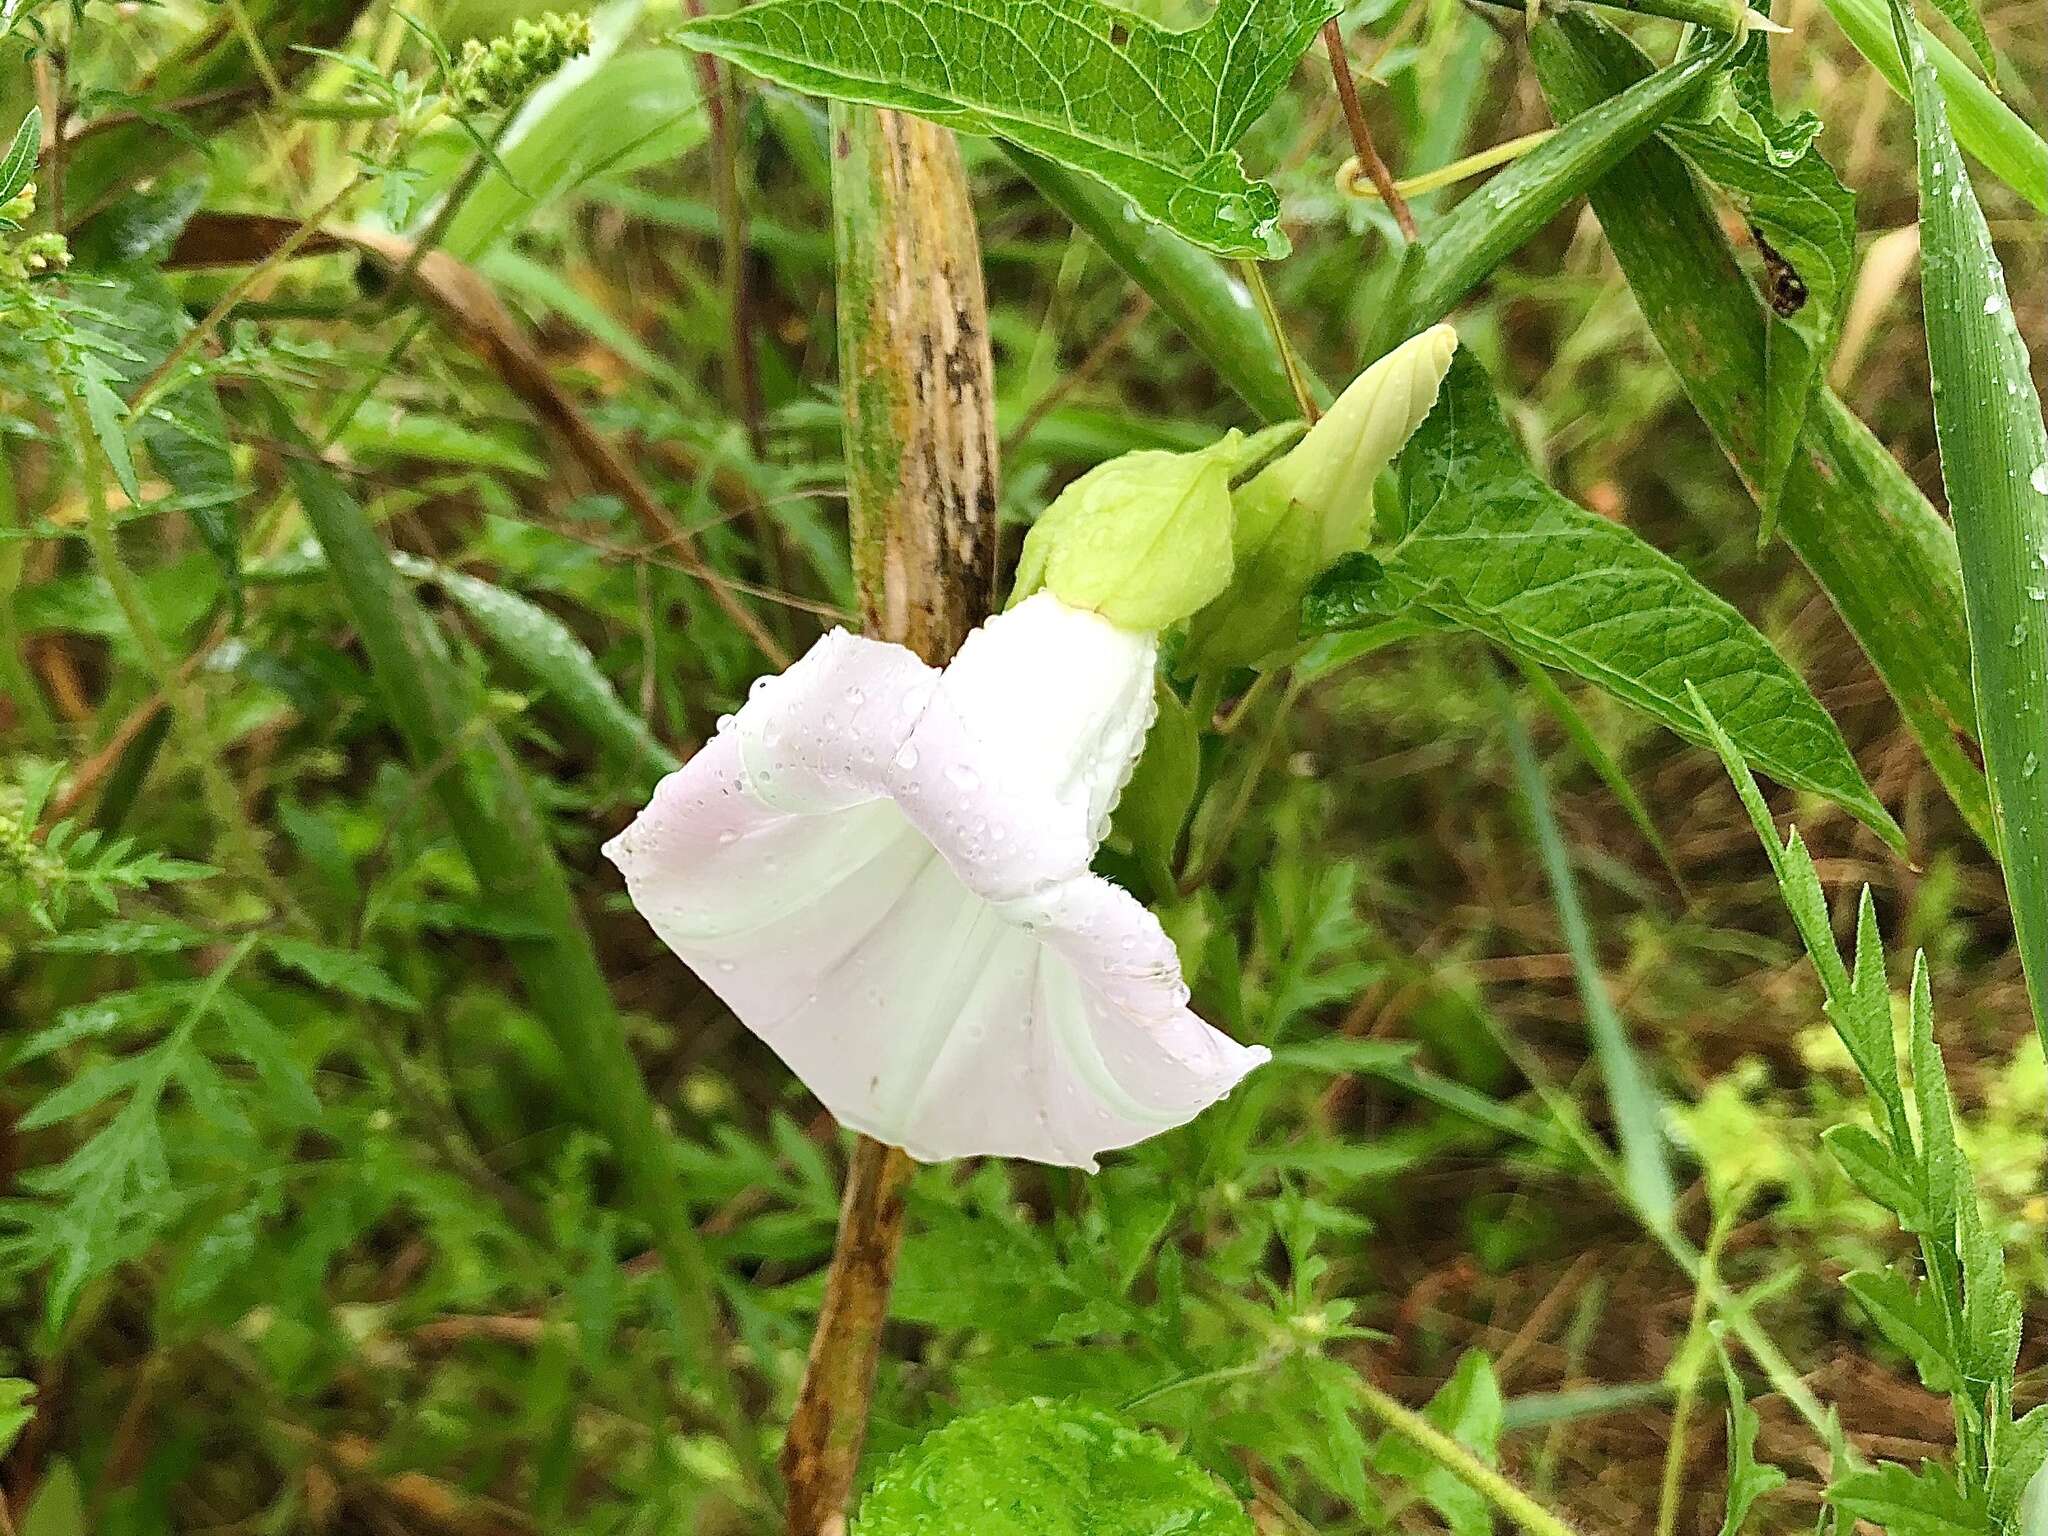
{"points": [[1034, 730]]}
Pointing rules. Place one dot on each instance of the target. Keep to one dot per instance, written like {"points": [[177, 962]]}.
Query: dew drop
{"points": [[907, 758], [2039, 479], [725, 722], [728, 837], [964, 778]]}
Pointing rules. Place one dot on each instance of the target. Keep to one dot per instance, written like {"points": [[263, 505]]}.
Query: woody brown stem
{"points": [[1361, 135], [917, 382]]}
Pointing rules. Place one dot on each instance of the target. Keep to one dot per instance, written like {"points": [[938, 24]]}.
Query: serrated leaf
{"points": [[259, 1042], [1151, 112], [340, 970], [1911, 1318], [1803, 221], [1994, 465], [1862, 1016], [108, 413], [1468, 1408], [2022, 1452], [1907, 1503], [1873, 1169], [127, 936], [1492, 548], [1748, 1479], [1045, 1469]]}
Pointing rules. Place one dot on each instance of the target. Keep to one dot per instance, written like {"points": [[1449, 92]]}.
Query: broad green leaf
{"points": [[1151, 112], [1491, 224], [58, 1508], [1910, 1316], [1885, 558], [1491, 548], [1748, 1479], [1803, 222], [1904, 1503], [603, 113], [1988, 128], [1038, 1468], [1994, 464]]}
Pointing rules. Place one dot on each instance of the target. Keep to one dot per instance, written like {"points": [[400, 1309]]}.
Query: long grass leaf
{"points": [[482, 793], [1884, 556], [1631, 1094], [1994, 463]]}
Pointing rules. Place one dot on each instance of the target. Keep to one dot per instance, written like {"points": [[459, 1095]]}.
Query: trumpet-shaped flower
{"points": [[883, 868]]}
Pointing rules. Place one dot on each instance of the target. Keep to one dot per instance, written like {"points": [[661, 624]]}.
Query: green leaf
{"points": [[2022, 1452], [1873, 1169], [1490, 225], [1038, 1468], [18, 169], [1906, 1503], [1987, 127], [1910, 1316], [1154, 805], [1492, 548], [340, 970], [1994, 464], [549, 652], [108, 413], [1631, 1090], [15, 1412], [1151, 112], [1748, 1479], [58, 1508], [1885, 557], [1467, 1408], [1803, 221]]}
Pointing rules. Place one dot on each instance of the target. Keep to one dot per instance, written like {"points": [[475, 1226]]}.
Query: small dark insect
{"points": [[1119, 34], [1784, 288]]}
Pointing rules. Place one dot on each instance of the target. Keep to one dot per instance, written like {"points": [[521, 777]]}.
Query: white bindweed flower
{"points": [[883, 868]]}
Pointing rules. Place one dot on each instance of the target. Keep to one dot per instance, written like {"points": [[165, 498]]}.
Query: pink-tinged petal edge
{"points": [[859, 868]]}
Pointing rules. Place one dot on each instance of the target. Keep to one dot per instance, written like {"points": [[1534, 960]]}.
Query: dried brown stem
{"points": [[1361, 135], [917, 380]]}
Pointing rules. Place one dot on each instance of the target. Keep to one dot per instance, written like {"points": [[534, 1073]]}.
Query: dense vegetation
{"points": [[421, 424]]}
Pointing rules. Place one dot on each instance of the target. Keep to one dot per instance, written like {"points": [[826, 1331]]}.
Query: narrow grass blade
{"points": [[1638, 1115], [1994, 463], [1491, 224], [1989, 129], [1597, 757], [485, 799], [1884, 557]]}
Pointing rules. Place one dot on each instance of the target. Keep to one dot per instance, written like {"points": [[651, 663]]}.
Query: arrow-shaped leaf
{"points": [[1489, 547]]}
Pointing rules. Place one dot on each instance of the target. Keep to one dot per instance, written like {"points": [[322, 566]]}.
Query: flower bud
{"points": [[1314, 503], [1144, 540]]}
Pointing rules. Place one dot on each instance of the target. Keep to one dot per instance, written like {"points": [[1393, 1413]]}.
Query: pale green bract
{"points": [[1152, 112]]}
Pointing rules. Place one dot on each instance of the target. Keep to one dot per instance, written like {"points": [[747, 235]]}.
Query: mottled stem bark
{"points": [[917, 382]]}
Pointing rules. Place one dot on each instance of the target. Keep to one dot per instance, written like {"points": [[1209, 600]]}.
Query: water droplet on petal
{"points": [[907, 758]]}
